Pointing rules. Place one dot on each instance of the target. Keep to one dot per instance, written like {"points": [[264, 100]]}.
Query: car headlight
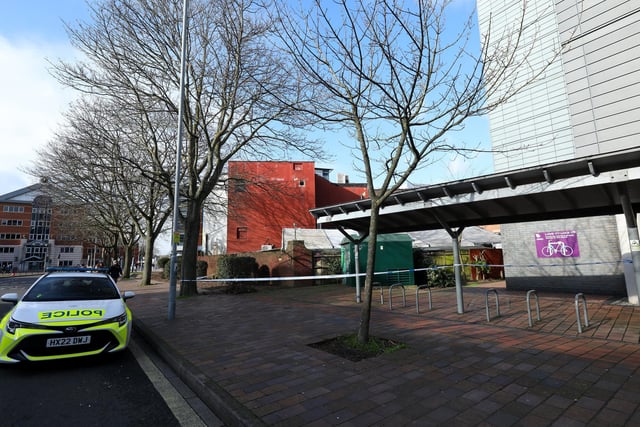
{"points": [[14, 325], [122, 319]]}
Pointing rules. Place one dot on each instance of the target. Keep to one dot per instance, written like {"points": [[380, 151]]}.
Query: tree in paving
{"points": [[238, 98], [401, 77]]}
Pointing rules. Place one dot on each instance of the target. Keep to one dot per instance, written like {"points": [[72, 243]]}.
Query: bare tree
{"points": [[104, 159], [238, 96], [400, 80], [142, 156], [77, 166]]}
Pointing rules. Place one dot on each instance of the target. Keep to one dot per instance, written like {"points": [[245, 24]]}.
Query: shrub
{"points": [[162, 261], [201, 268], [166, 270], [333, 265], [480, 263], [441, 277], [233, 266]]}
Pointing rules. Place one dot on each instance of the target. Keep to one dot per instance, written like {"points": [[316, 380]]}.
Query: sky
{"points": [[32, 102]]}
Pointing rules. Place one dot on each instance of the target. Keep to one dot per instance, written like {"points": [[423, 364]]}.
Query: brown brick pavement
{"points": [[248, 357]]}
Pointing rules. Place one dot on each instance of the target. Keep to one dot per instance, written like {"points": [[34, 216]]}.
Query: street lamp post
{"points": [[175, 238]]}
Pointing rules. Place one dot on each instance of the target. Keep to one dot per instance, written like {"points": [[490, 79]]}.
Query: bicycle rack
{"points": [[428, 288], [404, 295], [529, 293], [486, 303], [579, 297]]}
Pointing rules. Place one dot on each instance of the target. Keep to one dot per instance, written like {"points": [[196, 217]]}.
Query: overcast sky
{"points": [[32, 102]]}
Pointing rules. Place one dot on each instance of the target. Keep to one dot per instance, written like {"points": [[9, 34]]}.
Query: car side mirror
{"points": [[12, 298], [128, 295]]}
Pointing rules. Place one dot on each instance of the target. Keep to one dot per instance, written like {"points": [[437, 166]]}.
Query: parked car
{"points": [[67, 312]]}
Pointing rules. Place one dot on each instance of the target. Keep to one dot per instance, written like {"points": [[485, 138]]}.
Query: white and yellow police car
{"points": [[66, 313]]}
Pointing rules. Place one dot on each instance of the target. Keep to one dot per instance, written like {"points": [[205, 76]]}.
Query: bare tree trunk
{"points": [[147, 265], [365, 313], [128, 258], [189, 285]]}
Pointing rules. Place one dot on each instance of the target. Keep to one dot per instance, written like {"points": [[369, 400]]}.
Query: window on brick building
{"points": [[241, 233], [13, 208], [239, 186], [10, 236]]}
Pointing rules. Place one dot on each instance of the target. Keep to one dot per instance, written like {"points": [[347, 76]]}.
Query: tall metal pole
{"points": [[175, 235]]}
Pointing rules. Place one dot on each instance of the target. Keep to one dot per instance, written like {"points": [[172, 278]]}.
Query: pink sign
{"points": [[557, 244]]}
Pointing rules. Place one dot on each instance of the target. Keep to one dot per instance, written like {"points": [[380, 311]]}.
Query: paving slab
{"points": [[248, 357]]}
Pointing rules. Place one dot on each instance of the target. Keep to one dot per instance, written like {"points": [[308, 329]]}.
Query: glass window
{"points": [[72, 289], [13, 209]]}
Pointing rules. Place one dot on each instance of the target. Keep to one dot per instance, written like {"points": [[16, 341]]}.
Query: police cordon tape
{"points": [[387, 273]]}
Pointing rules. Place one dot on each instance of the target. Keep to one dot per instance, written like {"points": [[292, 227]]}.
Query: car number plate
{"points": [[67, 341]]}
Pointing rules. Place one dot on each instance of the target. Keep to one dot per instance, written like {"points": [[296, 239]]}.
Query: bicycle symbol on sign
{"points": [[560, 247]]}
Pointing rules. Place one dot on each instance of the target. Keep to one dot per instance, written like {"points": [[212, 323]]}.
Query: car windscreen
{"points": [[72, 289]]}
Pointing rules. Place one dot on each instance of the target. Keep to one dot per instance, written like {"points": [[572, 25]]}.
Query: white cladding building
{"points": [[587, 103]]}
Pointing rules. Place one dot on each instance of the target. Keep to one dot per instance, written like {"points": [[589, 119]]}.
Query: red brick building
{"points": [[265, 197], [35, 234]]}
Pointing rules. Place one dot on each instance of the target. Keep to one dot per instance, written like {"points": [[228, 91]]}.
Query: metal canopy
{"points": [[590, 186]]}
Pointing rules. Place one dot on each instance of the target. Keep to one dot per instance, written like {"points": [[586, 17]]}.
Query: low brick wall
{"points": [[296, 260]]}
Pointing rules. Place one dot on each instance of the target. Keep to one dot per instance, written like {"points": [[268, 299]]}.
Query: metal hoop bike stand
{"points": [[486, 303], [404, 295], [529, 293], [579, 297], [428, 288]]}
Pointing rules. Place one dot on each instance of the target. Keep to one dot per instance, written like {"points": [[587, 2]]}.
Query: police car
{"points": [[66, 313]]}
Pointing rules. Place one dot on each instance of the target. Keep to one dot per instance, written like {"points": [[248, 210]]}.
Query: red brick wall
{"points": [[296, 260], [22, 230], [329, 193], [264, 198]]}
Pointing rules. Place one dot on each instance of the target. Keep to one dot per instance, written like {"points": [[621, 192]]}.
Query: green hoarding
{"points": [[394, 258]]}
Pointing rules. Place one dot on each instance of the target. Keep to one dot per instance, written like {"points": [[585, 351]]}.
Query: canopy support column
{"points": [[457, 264], [633, 293]]}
